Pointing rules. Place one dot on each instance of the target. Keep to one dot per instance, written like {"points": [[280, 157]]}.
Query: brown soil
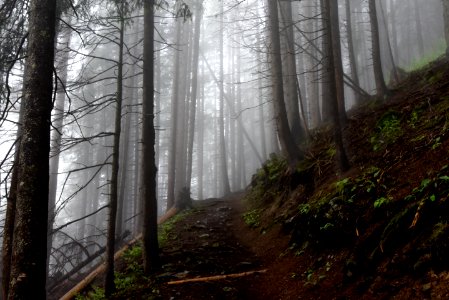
{"points": [[213, 238]]}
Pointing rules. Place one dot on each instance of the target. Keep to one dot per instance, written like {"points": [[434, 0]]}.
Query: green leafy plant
{"points": [[382, 201], [252, 218], [96, 294], [388, 130], [304, 208]]}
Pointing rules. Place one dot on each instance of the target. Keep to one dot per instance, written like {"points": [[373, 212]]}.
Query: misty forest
{"points": [[224, 149]]}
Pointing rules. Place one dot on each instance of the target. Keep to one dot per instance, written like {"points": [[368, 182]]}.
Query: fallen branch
{"points": [[170, 213], [217, 277], [88, 280]]}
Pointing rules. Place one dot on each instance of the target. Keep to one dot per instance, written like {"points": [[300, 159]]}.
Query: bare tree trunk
{"points": [[200, 151], [29, 254], [326, 77], [196, 54], [288, 146], [241, 165], [149, 170], [289, 61], [8, 232], [56, 134], [226, 189], [394, 35], [331, 17], [390, 49], [446, 24], [262, 133], [109, 285], [337, 61], [381, 88], [419, 33], [351, 50], [174, 124]]}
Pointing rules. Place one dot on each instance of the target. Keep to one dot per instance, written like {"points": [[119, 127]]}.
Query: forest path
{"points": [[212, 240]]}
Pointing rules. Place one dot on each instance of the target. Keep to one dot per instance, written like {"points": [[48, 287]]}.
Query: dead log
{"points": [[88, 280], [170, 213], [217, 277]]}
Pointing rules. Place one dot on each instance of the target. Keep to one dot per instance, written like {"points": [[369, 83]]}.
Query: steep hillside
{"points": [[380, 230]]}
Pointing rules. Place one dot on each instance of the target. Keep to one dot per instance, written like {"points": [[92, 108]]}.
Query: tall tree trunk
{"points": [[337, 61], [56, 135], [331, 16], [109, 285], [381, 88], [326, 77], [288, 146], [241, 165], [226, 189], [263, 143], [196, 54], [389, 47], [8, 232], [174, 123], [149, 170], [183, 104], [351, 50], [446, 24], [394, 33], [200, 151], [419, 32], [29, 255], [290, 88]]}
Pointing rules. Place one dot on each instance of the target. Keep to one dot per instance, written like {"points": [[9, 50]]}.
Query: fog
{"points": [[215, 122]]}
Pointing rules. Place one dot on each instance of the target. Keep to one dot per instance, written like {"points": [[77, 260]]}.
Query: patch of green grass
{"points": [[165, 231], [96, 294]]}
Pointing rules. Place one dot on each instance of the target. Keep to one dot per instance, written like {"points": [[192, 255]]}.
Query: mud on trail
{"points": [[207, 244], [213, 239]]}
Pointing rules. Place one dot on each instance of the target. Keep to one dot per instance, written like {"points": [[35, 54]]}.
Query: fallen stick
{"points": [[217, 277]]}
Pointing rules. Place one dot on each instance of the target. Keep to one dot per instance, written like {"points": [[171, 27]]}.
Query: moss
{"points": [[165, 231]]}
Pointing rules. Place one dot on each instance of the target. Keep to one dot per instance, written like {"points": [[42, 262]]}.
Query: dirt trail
{"points": [[208, 242]]}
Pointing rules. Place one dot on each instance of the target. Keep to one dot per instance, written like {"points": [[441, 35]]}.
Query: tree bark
{"points": [[351, 50], [29, 255], [419, 33], [8, 232], [109, 285], [174, 124], [149, 170], [288, 147], [446, 24], [381, 87], [337, 62], [326, 77], [335, 65], [289, 61], [193, 104], [226, 189]]}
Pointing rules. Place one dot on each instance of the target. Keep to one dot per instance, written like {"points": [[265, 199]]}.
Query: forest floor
{"points": [[378, 231]]}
